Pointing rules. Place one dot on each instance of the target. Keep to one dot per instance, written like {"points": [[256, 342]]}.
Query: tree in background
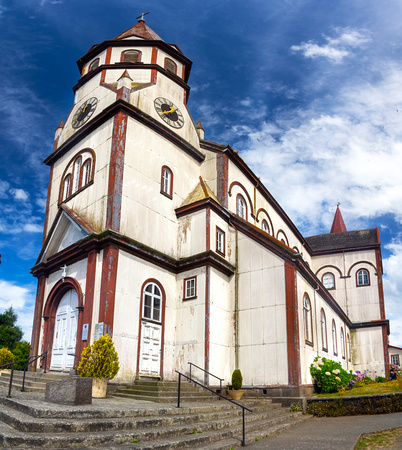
{"points": [[10, 333], [21, 354]]}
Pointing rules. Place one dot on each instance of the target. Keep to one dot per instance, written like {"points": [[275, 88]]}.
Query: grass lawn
{"points": [[372, 388]]}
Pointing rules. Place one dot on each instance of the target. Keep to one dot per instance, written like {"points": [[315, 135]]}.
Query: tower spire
{"points": [[338, 225]]}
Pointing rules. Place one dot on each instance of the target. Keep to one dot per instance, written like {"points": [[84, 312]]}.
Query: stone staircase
{"points": [[34, 381], [26, 421], [161, 391]]}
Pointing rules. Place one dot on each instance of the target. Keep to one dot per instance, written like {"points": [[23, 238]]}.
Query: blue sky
{"points": [[309, 92]]}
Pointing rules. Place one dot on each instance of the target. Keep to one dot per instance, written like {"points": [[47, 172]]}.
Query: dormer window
{"points": [[170, 66], [94, 65], [77, 175], [131, 56]]}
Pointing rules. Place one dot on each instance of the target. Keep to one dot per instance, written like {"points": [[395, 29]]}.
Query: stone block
{"points": [[71, 391]]}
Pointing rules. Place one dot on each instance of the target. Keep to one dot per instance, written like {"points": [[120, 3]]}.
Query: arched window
{"points": [[170, 66], [342, 343], [348, 347], [77, 174], [94, 65], [363, 278], [241, 208], [167, 181], [131, 56], [86, 172], [324, 331], [66, 187], [308, 329], [152, 302], [328, 280], [334, 340], [264, 226]]}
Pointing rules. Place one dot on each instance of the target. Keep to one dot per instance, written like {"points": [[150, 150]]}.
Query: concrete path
{"points": [[330, 433]]}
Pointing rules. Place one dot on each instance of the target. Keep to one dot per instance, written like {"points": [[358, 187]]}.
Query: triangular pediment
{"points": [[67, 229]]}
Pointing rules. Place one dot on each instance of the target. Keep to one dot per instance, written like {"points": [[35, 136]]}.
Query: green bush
{"points": [[237, 380], [99, 360], [6, 357], [21, 353], [329, 375], [381, 379]]}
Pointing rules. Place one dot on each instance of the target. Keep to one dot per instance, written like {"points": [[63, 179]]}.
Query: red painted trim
{"points": [[37, 322], [208, 229], [329, 266], [380, 284], [86, 316], [292, 326], [152, 280], [50, 311], [183, 71], [46, 221], [236, 183], [154, 57], [116, 170], [385, 344], [207, 322], [107, 61], [108, 287], [284, 235], [362, 262]]}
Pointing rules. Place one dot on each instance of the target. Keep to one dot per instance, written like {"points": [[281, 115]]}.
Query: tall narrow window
{"points": [[170, 66], [265, 226], [363, 277], [324, 331], [342, 343], [308, 329], [241, 209], [66, 187], [77, 174], [131, 56], [190, 288], [152, 302], [86, 175], [328, 280], [334, 340], [220, 241], [166, 182], [348, 347]]}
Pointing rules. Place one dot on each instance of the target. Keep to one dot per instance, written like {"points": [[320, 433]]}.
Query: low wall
{"points": [[352, 406]]}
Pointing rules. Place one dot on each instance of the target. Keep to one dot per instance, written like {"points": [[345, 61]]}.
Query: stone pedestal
{"points": [[71, 391]]}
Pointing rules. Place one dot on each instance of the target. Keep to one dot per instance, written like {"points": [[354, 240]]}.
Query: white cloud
{"points": [[19, 194], [33, 228], [336, 49], [13, 295]]}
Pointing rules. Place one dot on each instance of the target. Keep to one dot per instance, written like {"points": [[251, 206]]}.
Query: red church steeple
{"points": [[338, 225]]}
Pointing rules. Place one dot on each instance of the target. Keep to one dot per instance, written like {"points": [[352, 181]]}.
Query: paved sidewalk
{"points": [[330, 433]]}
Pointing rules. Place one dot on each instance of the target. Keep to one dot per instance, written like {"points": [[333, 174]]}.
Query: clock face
{"points": [[169, 112], [84, 112]]}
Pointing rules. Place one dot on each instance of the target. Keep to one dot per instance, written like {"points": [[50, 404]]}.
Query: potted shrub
{"points": [[236, 393], [100, 362]]}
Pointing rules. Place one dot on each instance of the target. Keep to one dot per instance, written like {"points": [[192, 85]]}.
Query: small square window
{"points": [[190, 288], [395, 359], [220, 241]]}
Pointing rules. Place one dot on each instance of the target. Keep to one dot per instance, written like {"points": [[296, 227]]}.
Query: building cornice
{"points": [[371, 324], [133, 112]]}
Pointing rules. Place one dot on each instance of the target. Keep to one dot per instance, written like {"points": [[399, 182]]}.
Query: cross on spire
{"points": [[141, 17]]}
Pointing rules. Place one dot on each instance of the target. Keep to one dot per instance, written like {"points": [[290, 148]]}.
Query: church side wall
{"points": [[262, 315], [191, 234], [367, 351]]}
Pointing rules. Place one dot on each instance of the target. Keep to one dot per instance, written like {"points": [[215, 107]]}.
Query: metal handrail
{"points": [[31, 359], [11, 376], [243, 442], [209, 373]]}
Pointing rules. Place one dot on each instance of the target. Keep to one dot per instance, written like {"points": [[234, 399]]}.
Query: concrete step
{"points": [[34, 381], [34, 424]]}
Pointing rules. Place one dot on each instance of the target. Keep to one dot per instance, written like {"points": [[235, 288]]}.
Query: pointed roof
{"points": [[139, 30], [338, 225], [201, 192]]}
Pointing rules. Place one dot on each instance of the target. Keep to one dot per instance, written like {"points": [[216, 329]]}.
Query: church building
{"points": [[170, 244]]}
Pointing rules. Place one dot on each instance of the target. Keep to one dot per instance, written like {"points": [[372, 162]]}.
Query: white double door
{"points": [[150, 353], [65, 332]]}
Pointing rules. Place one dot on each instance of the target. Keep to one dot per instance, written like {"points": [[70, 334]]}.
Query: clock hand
{"points": [[171, 110]]}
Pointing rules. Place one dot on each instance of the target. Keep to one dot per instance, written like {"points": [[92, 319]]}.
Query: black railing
{"points": [[11, 376], [209, 373], [30, 361], [243, 442]]}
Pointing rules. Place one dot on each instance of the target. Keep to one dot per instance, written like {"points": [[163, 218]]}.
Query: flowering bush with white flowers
{"points": [[329, 375]]}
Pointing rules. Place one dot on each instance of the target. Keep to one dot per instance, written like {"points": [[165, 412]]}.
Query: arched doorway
{"points": [[65, 332]]}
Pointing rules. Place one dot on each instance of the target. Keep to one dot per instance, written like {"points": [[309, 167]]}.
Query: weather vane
{"points": [[141, 17]]}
